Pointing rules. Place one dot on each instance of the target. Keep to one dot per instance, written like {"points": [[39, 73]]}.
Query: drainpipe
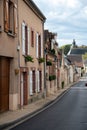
{"points": [[18, 51], [44, 53]]}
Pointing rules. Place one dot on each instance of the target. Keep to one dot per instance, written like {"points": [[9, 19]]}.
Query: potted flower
{"points": [[28, 58], [48, 63], [41, 60]]}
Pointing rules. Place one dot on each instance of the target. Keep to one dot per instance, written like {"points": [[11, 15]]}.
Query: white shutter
{"points": [[37, 45], [23, 38], [41, 46], [31, 89], [28, 33], [42, 75], [38, 82]]}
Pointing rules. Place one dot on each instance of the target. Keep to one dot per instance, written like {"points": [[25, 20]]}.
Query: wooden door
{"points": [[4, 84], [25, 99]]}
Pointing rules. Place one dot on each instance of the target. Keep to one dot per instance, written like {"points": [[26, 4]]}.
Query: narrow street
{"points": [[68, 113]]}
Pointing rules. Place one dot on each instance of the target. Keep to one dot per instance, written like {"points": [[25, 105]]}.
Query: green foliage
{"points": [[52, 77], [41, 60], [48, 63], [66, 48], [83, 46], [29, 59], [84, 56]]}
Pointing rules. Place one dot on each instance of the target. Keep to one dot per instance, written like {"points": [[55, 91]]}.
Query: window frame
{"points": [[8, 20]]}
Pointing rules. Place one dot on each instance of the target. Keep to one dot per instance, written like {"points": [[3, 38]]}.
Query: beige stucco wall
{"points": [[30, 18], [27, 15], [8, 48]]}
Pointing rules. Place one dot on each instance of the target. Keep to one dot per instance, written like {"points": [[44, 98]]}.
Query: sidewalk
{"points": [[12, 117]]}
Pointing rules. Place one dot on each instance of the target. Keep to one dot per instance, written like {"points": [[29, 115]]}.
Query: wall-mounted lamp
{"points": [[18, 47]]}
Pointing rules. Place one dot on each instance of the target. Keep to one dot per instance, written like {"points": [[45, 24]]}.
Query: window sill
{"points": [[11, 34]]}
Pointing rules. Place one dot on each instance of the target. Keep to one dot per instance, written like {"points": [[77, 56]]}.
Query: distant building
{"points": [[51, 47], [75, 55]]}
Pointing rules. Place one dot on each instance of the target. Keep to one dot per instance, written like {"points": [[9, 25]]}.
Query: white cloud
{"points": [[66, 17]]}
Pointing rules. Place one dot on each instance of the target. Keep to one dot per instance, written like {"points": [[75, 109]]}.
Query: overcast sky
{"points": [[68, 18]]}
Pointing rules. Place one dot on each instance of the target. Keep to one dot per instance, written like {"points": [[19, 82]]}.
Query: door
{"points": [[4, 83], [24, 88]]}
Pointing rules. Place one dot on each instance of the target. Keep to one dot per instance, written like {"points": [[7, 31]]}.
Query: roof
{"points": [[78, 51], [76, 59], [35, 9]]}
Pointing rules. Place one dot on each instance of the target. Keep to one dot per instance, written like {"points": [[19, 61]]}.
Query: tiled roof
{"points": [[76, 59], [78, 51]]}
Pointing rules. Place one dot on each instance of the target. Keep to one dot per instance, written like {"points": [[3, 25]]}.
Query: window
{"points": [[38, 46], [40, 77], [33, 79], [10, 17], [32, 84], [32, 38], [25, 39], [39, 80]]}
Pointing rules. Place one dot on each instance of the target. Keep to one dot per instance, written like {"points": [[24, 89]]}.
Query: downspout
{"points": [[18, 50], [44, 53]]}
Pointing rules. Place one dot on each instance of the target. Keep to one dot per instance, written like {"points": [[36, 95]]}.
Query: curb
{"points": [[31, 115]]}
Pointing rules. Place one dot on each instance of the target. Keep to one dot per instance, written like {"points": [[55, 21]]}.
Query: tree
{"points": [[66, 48], [84, 56]]}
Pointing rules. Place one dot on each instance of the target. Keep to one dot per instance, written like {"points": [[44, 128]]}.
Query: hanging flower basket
{"points": [[28, 59], [48, 63], [41, 60], [52, 77]]}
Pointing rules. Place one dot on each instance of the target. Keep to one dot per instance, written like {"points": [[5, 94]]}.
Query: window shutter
{"points": [[32, 38], [26, 40], [36, 45], [15, 18], [41, 46], [23, 38], [30, 87], [38, 82], [41, 78], [28, 33], [6, 15]]}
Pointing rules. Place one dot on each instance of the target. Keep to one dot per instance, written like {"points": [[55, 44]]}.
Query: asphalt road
{"points": [[68, 113]]}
